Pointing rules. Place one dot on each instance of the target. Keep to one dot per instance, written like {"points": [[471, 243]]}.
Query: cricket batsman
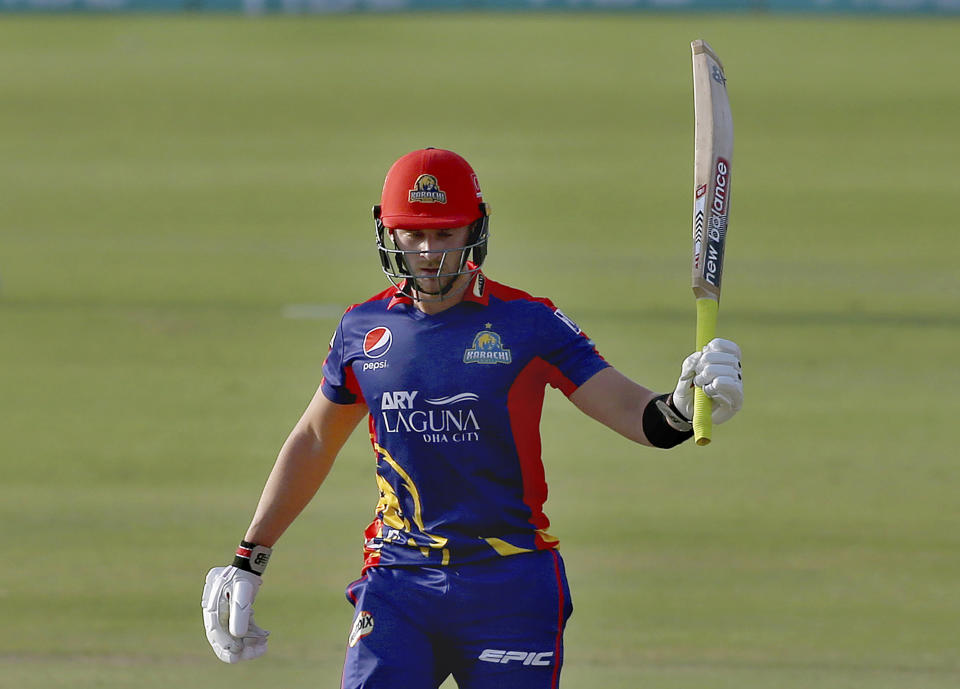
{"points": [[461, 574]]}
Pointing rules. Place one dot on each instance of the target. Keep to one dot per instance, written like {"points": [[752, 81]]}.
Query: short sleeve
{"points": [[339, 384], [572, 355]]}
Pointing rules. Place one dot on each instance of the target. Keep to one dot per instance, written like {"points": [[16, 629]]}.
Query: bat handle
{"points": [[702, 406]]}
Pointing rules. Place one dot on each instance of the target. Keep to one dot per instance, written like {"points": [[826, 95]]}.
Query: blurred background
{"points": [[185, 213]]}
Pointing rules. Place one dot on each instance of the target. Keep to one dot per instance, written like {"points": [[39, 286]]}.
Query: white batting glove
{"points": [[228, 614], [716, 369]]}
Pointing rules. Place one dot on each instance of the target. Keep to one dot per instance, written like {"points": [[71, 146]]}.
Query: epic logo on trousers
{"points": [[492, 655]]}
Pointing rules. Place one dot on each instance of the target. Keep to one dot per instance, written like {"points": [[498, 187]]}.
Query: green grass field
{"points": [[171, 186]]}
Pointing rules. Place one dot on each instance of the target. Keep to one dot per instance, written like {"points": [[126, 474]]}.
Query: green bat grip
{"points": [[702, 406]]}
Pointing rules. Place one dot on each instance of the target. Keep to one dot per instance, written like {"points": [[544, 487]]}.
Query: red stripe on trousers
{"points": [[560, 605]]}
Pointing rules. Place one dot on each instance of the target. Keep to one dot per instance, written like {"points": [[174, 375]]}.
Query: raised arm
{"points": [[615, 401]]}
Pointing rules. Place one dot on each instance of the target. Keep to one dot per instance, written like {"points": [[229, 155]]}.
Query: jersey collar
{"points": [[477, 291]]}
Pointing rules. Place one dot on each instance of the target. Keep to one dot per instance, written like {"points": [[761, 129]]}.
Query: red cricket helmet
{"points": [[431, 189]]}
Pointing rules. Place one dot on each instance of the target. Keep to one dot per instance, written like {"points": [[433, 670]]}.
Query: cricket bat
{"points": [[713, 153]]}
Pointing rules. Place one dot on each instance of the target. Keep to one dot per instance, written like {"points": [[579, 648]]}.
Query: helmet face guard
{"points": [[394, 265]]}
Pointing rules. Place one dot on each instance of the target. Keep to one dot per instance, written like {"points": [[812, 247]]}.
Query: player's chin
{"points": [[432, 286], [427, 277]]}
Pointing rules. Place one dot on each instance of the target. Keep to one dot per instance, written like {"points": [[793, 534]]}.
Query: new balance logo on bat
{"points": [[717, 226]]}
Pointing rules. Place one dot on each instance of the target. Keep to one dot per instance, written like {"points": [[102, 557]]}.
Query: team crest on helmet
{"points": [[487, 349], [427, 190]]}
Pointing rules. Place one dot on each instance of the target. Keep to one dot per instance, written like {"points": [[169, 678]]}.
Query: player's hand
{"points": [[716, 369], [228, 614]]}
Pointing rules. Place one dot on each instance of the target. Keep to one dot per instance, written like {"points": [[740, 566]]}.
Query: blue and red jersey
{"points": [[455, 401]]}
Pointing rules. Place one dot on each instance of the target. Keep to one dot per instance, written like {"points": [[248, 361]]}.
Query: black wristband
{"points": [[663, 425], [251, 557]]}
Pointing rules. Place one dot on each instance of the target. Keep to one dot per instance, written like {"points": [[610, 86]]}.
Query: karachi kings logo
{"points": [[487, 349], [426, 190]]}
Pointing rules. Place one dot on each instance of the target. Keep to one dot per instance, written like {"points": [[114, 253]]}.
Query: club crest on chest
{"points": [[487, 348]]}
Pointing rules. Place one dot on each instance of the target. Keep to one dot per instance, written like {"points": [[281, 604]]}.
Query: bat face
{"points": [[712, 155]]}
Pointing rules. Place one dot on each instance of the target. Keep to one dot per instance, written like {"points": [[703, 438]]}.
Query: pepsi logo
{"points": [[377, 342]]}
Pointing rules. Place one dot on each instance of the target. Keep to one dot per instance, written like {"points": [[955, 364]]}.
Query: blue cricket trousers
{"points": [[496, 624]]}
